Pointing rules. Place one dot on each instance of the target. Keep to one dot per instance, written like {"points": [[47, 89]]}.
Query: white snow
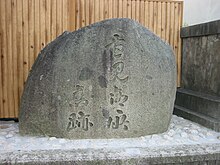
{"points": [[180, 132]]}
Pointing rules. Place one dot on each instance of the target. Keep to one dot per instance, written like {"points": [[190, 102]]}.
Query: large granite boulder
{"points": [[112, 79]]}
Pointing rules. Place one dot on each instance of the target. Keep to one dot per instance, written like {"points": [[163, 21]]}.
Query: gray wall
{"points": [[201, 58]]}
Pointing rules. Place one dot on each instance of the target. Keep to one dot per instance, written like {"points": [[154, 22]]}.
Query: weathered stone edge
{"points": [[203, 29], [160, 155]]}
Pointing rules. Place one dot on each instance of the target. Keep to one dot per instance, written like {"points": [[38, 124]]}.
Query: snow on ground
{"points": [[180, 132]]}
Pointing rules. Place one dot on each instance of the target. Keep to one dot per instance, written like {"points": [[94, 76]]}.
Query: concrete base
{"points": [[200, 108], [185, 143], [185, 154]]}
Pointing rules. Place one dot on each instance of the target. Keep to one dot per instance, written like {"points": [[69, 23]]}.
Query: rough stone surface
{"points": [[112, 79]]}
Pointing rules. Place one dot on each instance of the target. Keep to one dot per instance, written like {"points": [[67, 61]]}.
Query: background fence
{"points": [[26, 26]]}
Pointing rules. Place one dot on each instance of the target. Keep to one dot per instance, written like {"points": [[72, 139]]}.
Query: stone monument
{"points": [[112, 79]]}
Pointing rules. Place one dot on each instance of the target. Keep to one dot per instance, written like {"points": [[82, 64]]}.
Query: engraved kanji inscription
{"points": [[116, 73], [119, 120], [118, 97], [78, 96], [79, 120], [118, 68], [118, 51]]}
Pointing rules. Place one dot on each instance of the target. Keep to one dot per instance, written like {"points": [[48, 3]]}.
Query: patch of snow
{"points": [[180, 132]]}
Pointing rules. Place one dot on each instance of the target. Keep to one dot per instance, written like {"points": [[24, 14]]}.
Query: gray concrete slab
{"points": [[184, 143]]}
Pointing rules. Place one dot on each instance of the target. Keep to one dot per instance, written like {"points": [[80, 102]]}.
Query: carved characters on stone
{"points": [[119, 120], [107, 80], [78, 96], [118, 68], [79, 120], [116, 48], [119, 51], [117, 97], [117, 100]]}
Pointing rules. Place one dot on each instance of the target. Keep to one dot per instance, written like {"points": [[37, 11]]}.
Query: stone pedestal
{"points": [[184, 155], [184, 143]]}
